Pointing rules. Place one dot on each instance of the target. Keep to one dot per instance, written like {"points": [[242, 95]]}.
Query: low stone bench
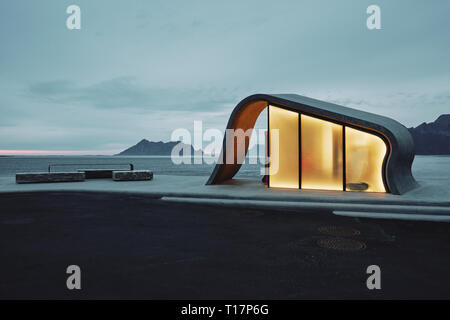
{"points": [[99, 173], [47, 177], [134, 175]]}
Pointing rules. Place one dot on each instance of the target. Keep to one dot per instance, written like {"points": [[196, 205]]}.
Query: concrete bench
{"points": [[47, 177], [134, 175], [99, 173]]}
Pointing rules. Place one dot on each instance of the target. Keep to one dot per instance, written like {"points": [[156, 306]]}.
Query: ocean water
{"points": [[11, 165], [424, 167]]}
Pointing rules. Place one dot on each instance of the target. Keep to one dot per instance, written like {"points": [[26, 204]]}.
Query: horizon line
{"points": [[11, 152]]}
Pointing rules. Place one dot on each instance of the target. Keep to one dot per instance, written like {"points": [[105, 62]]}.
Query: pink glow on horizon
{"points": [[58, 152]]}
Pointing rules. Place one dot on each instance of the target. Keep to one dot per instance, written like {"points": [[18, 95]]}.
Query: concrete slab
{"points": [[132, 175], [99, 173], [49, 177]]}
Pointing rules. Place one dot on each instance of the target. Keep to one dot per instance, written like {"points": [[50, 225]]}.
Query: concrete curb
{"points": [[315, 206], [393, 216]]}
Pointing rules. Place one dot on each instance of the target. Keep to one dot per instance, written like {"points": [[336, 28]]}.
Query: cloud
{"points": [[127, 93], [141, 69]]}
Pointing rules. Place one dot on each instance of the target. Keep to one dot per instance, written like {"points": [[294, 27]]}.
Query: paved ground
{"points": [[431, 199], [435, 192], [132, 246]]}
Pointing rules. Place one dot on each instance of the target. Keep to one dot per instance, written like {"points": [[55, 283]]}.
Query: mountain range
{"points": [[432, 138], [146, 148]]}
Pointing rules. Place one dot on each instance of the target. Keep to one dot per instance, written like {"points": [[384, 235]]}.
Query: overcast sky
{"points": [[140, 69]]}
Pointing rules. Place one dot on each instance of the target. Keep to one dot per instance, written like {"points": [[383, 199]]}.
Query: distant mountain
{"points": [[434, 137], [150, 148]]}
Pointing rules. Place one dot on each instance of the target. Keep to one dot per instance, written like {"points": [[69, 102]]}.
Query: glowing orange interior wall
{"points": [[321, 154], [283, 148], [364, 161]]}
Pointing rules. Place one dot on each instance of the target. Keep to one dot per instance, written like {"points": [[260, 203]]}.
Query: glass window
{"points": [[364, 161], [283, 145], [322, 156]]}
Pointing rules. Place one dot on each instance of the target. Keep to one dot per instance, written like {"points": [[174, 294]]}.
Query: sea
{"points": [[424, 167], [10, 165]]}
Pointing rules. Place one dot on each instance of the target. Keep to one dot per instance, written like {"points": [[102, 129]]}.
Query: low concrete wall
{"points": [[98, 173], [47, 177], [135, 175]]}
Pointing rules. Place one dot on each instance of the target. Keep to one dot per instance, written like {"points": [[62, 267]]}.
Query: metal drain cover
{"points": [[341, 244], [339, 231]]}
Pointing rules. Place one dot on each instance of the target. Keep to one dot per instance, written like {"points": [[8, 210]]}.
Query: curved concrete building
{"points": [[312, 144]]}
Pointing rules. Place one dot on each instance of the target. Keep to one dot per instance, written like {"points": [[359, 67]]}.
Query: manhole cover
{"points": [[341, 244], [339, 231]]}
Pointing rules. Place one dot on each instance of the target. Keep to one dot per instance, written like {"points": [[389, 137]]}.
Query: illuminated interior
{"points": [[364, 161], [321, 154], [283, 148]]}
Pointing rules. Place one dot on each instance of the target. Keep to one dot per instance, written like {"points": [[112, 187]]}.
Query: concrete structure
{"points": [[99, 173], [360, 151], [134, 175], [46, 177]]}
